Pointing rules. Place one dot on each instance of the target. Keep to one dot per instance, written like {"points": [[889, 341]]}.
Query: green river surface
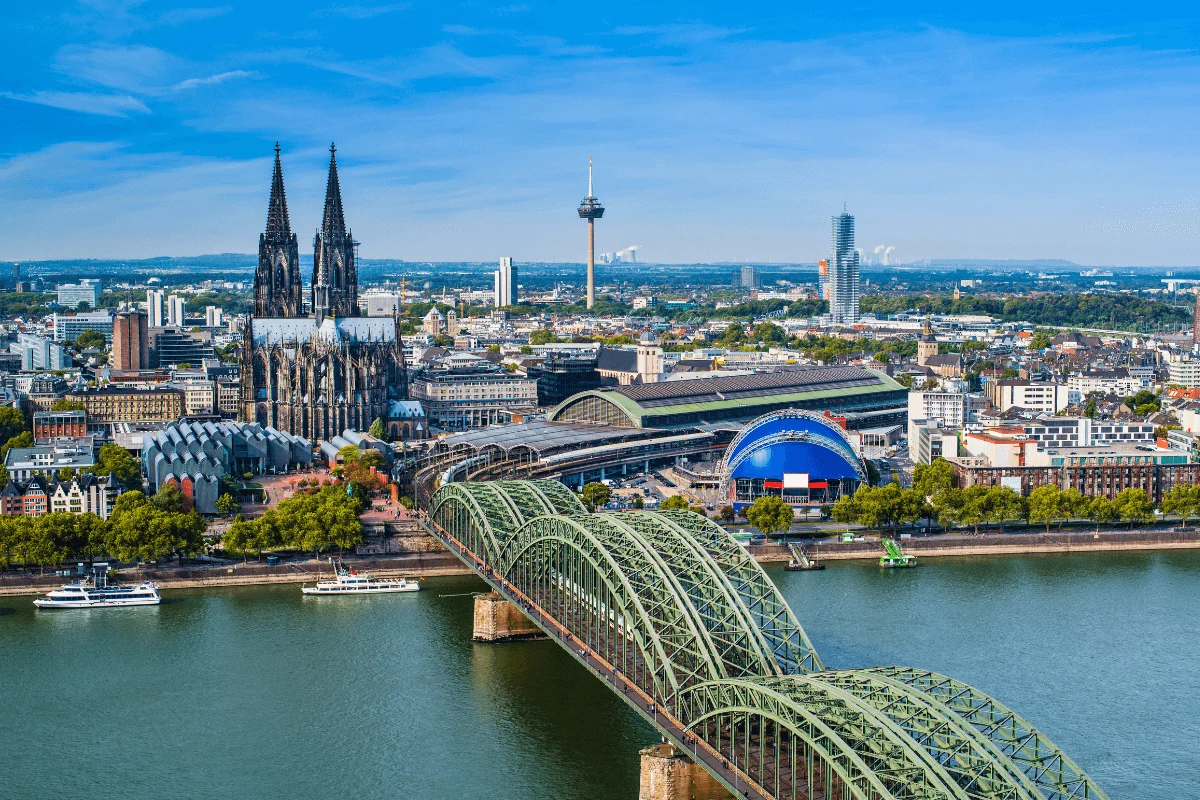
{"points": [[256, 692]]}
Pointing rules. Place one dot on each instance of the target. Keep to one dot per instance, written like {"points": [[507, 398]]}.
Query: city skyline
{"points": [[138, 130]]}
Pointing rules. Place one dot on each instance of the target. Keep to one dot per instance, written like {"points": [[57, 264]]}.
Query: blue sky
{"points": [[721, 131]]}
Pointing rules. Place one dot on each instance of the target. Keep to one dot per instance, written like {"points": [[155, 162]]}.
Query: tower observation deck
{"points": [[591, 210]]}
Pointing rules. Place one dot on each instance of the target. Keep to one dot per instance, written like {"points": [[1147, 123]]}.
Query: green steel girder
{"points": [[643, 603], [560, 497], [723, 614], [1054, 773], [768, 611], [478, 517], [871, 761], [970, 758]]}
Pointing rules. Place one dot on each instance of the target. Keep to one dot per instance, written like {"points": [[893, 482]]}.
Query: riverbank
{"points": [[417, 565], [955, 545]]}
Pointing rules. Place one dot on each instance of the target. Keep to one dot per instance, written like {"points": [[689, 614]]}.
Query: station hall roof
{"points": [[542, 437], [697, 400]]}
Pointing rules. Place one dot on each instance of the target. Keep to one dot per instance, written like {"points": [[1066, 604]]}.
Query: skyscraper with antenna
{"points": [[591, 210]]}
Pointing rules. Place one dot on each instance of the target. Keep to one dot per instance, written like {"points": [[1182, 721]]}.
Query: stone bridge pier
{"points": [[497, 620], [670, 774]]}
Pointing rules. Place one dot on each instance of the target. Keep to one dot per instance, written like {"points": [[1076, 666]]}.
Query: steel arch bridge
{"points": [[674, 615]]}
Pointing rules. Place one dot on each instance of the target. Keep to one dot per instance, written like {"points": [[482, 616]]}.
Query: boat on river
{"points": [[347, 581], [96, 592], [895, 558]]}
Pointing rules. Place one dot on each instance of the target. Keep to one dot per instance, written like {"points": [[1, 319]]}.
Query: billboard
{"points": [[795, 480]]}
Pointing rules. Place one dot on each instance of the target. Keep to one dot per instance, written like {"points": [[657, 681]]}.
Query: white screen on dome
{"points": [[795, 480]]}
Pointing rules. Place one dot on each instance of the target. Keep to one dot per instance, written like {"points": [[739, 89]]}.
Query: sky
{"points": [[720, 131]]}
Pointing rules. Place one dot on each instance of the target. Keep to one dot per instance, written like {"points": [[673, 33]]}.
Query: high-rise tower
{"points": [[335, 276], [591, 210], [1196, 323], [277, 285], [843, 272]]}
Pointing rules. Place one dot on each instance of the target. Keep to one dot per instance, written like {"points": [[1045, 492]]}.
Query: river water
{"points": [[255, 692]]}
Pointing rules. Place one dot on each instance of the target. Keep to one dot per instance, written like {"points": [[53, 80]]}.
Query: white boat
{"points": [[351, 582], [97, 593]]}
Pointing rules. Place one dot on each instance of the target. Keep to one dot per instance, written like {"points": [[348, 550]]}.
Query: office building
{"points": [[70, 295], [380, 304], [67, 327], [22, 462], [155, 303], [843, 272], [175, 308], [214, 317], [471, 397], [170, 347], [38, 353], [1040, 396], [559, 377], [505, 280], [131, 341], [1186, 373]]}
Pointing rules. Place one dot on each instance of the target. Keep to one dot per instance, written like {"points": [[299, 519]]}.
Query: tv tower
{"points": [[591, 210]]}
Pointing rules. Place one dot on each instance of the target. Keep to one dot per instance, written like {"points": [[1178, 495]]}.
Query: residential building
{"points": [[505, 283], [198, 397], [70, 295], [21, 462], [927, 441], [946, 409], [471, 397], [748, 277], [49, 425], [228, 397], [1061, 432], [175, 310], [67, 327], [1185, 373], [843, 272], [1115, 381], [110, 404], [155, 304], [130, 341], [1039, 396], [644, 302]]}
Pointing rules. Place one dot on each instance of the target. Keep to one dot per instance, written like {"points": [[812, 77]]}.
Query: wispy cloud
{"points": [[691, 33], [360, 11], [107, 105], [182, 16], [133, 68], [212, 80]]}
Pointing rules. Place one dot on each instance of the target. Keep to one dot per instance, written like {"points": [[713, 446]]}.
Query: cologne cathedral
{"points": [[316, 375]]}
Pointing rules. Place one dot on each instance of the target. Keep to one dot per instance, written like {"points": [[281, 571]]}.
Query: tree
{"points": [[1039, 341], [1046, 505], [770, 514], [726, 513], [116, 461], [1101, 510], [65, 474], [1182, 501], [168, 498], [929, 479], [226, 505], [638, 502], [20, 440], [377, 429], [543, 336], [1002, 503], [1134, 506], [237, 538], [674, 503], [594, 495], [89, 339], [12, 422]]}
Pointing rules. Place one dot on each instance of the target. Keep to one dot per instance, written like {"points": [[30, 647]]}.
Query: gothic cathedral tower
{"points": [[277, 287], [335, 277]]}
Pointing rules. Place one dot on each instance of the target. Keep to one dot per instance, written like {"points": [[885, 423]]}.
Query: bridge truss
{"points": [[676, 618]]}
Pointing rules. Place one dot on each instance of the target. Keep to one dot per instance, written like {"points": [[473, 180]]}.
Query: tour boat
{"points": [[97, 593], [350, 582]]}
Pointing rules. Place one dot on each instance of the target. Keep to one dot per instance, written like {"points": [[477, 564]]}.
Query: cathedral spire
{"points": [[334, 223], [278, 224]]}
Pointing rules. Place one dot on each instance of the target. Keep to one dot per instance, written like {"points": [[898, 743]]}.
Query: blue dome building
{"points": [[801, 456]]}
